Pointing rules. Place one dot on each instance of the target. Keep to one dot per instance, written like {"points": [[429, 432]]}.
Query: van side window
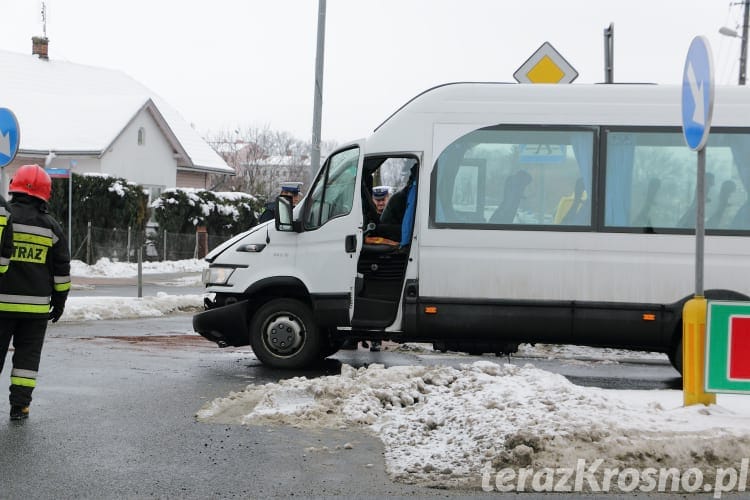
{"points": [[650, 181], [332, 194], [501, 176]]}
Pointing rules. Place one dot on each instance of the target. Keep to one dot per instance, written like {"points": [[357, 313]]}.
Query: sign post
{"points": [[697, 110], [10, 138]]}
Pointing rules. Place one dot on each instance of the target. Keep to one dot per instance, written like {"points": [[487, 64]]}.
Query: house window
{"points": [[141, 136]]}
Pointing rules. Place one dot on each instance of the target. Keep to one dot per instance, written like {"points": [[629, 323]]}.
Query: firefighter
{"points": [[36, 285]]}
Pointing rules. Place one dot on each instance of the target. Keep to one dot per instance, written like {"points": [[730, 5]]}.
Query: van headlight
{"points": [[217, 275]]}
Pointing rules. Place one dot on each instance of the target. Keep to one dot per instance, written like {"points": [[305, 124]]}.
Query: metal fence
{"points": [[123, 244]]}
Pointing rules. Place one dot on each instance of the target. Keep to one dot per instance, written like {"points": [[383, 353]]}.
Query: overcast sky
{"points": [[227, 64]]}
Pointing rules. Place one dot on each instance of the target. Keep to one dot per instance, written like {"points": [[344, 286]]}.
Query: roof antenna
{"points": [[44, 19]]}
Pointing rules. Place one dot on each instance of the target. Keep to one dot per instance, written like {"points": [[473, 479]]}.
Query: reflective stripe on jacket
{"points": [[40, 264], [6, 236]]}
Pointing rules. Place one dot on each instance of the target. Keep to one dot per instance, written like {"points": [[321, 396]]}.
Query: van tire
{"points": [[284, 335]]}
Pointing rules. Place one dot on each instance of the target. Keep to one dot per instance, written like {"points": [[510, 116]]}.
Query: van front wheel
{"points": [[283, 334]]}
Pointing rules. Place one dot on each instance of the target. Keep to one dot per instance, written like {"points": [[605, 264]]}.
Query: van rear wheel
{"points": [[283, 334]]}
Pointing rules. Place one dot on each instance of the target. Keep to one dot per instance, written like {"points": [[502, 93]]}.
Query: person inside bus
{"points": [[688, 218], [290, 190], [515, 185], [727, 189]]}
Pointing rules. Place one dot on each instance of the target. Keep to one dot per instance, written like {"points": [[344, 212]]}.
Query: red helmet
{"points": [[32, 180]]}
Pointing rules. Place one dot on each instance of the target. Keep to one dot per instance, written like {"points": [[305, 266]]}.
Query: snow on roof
{"points": [[67, 107]]}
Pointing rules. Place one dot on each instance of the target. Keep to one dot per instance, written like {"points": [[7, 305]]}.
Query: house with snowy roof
{"points": [[95, 120]]}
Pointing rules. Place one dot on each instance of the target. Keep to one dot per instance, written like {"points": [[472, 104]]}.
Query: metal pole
{"points": [[743, 51], [700, 227], [88, 246], [609, 53], [140, 271], [70, 212], [318, 97]]}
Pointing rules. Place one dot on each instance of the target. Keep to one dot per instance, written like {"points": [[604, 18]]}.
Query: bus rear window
{"points": [[651, 177]]}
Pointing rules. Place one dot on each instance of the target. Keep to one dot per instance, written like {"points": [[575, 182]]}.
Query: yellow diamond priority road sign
{"points": [[546, 65]]}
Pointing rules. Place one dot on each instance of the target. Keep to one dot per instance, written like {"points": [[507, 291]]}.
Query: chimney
{"points": [[39, 46]]}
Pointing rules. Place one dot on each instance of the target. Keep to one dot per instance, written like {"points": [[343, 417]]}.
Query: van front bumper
{"points": [[225, 325]]}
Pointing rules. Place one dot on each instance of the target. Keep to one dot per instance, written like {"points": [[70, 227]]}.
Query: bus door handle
{"points": [[350, 243]]}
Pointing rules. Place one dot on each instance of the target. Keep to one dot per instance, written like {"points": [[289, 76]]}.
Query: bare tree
{"points": [[262, 159]]}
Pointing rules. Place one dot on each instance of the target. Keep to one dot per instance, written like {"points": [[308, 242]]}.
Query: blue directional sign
{"points": [[10, 136], [697, 93], [58, 173]]}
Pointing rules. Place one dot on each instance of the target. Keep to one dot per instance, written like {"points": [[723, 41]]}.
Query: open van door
{"points": [[331, 234], [387, 244]]}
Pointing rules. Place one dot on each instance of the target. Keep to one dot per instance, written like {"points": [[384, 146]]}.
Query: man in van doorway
{"points": [[380, 195]]}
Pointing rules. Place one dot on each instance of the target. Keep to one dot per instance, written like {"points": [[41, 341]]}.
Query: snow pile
{"points": [[95, 308], [441, 425], [550, 351], [564, 351], [107, 268]]}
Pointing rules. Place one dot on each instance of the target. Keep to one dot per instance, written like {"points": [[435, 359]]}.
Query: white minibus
{"points": [[518, 213]]}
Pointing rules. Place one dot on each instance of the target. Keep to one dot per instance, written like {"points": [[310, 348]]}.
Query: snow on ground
{"points": [[445, 426], [83, 308], [94, 308], [553, 351], [107, 268]]}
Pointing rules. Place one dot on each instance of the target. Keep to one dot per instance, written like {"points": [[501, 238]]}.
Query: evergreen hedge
{"points": [[113, 202], [182, 210], [107, 202]]}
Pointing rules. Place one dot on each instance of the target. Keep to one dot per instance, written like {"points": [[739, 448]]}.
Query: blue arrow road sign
{"points": [[697, 93], [9, 136]]}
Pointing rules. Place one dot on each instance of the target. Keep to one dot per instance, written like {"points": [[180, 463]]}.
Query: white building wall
{"points": [[150, 164]]}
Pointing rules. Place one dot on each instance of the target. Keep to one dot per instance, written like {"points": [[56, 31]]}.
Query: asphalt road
{"points": [[114, 417]]}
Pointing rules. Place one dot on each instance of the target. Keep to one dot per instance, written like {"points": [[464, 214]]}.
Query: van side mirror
{"points": [[284, 220]]}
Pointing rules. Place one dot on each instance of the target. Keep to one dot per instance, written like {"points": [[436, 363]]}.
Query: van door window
{"points": [[332, 195]]}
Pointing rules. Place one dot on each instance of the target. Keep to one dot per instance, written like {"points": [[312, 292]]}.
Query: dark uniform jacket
{"points": [[6, 236], [39, 271], [269, 213]]}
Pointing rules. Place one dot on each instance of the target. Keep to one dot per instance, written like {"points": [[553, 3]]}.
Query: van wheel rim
{"points": [[283, 334]]}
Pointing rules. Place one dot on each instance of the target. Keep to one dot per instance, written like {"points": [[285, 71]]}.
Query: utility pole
{"points": [[318, 98], [743, 51]]}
